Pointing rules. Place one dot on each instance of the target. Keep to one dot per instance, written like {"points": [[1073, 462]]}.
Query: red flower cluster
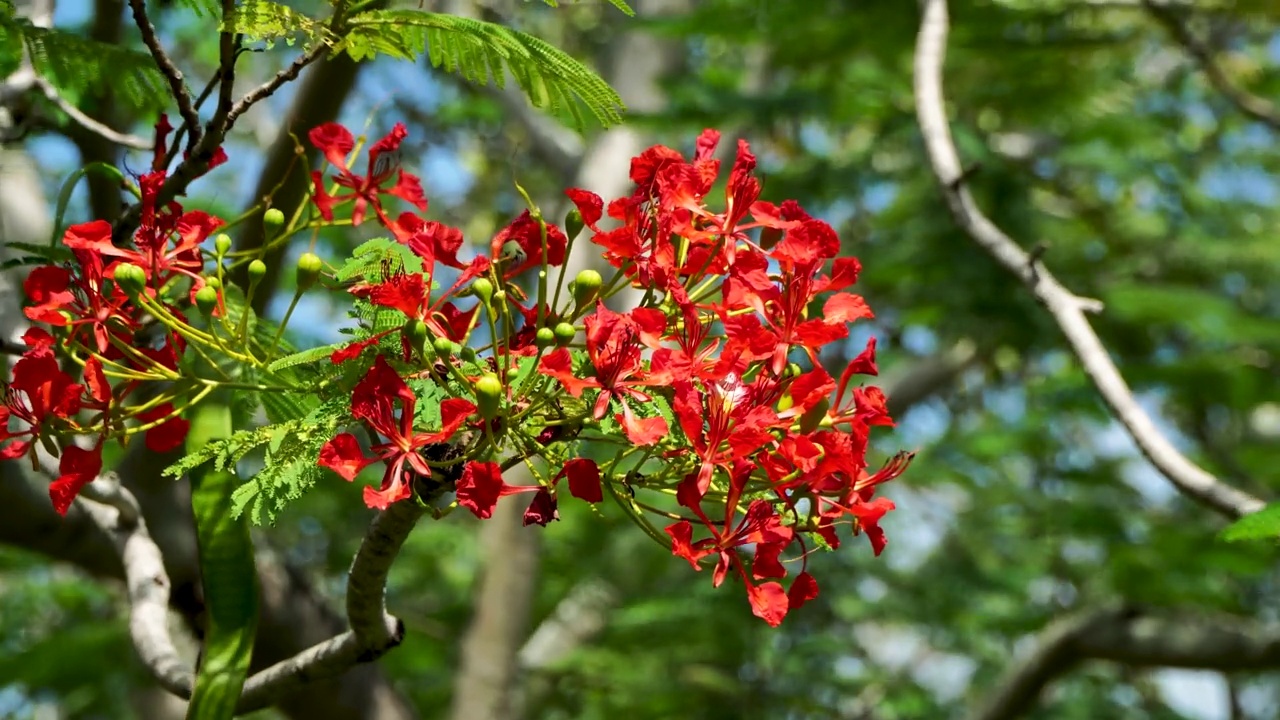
{"points": [[754, 427], [93, 315], [740, 299]]}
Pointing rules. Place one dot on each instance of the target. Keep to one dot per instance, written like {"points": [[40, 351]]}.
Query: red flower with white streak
{"points": [[373, 402], [336, 142], [614, 344]]}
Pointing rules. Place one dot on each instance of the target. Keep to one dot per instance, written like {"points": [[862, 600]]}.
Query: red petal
{"points": [[682, 543], [589, 205], [78, 468], [96, 381], [409, 188], [335, 141], [768, 602], [804, 589], [584, 479], [846, 308], [559, 365], [343, 455], [395, 491], [168, 435], [542, 509], [480, 487], [642, 431]]}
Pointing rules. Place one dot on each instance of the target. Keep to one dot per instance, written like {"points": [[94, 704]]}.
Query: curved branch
{"points": [[1134, 637], [115, 511], [1247, 103], [1067, 309], [373, 631]]}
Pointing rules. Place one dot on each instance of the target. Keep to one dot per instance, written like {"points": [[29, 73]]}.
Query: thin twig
{"points": [[177, 85], [1067, 309], [197, 163], [88, 123], [1246, 102]]}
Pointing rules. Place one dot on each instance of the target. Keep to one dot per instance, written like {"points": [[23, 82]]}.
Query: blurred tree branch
{"points": [[1067, 309], [1251, 105], [1136, 637]]}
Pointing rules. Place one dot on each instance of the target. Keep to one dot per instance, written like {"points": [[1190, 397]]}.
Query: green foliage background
{"points": [[1094, 134]]}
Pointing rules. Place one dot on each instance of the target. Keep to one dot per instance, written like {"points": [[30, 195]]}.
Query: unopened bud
{"points": [[573, 224], [444, 347], [488, 395], [257, 271], [564, 333], [586, 287], [483, 288], [415, 332], [273, 218], [130, 278], [544, 338], [221, 243], [213, 282], [206, 300], [309, 267]]}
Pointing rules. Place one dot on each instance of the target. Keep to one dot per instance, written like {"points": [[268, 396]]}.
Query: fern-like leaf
{"points": [[482, 52], [76, 65], [263, 20]]}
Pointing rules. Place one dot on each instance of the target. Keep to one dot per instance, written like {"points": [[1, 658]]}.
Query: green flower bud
{"points": [[273, 218], [206, 300], [257, 271], [545, 337], [309, 267], [488, 395], [573, 224], [586, 287], [564, 333], [221, 243], [468, 354], [130, 278], [415, 331], [443, 347], [483, 288], [213, 282]]}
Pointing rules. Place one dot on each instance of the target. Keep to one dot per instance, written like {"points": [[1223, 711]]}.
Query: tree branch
{"points": [[177, 86], [373, 631], [1067, 309], [1135, 637], [1247, 103], [88, 123], [115, 511]]}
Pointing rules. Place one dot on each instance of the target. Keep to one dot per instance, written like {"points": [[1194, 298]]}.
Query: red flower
{"points": [[723, 423], [39, 394], [336, 142], [760, 527], [373, 402], [518, 246], [77, 468], [481, 485], [614, 344], [85, 296]]}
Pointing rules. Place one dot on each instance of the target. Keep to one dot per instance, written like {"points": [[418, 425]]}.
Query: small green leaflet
{"points": [[1262, 525]]}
